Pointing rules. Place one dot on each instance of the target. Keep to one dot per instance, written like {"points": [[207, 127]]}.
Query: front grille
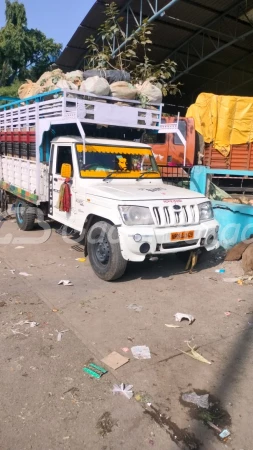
{"points": [[157, 216], [168, 215]]}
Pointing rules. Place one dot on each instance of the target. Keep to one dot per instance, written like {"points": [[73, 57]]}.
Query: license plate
{"points": [[182, 236]]}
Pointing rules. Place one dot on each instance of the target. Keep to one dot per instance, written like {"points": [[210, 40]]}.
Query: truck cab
{"points": [[119, 199]]}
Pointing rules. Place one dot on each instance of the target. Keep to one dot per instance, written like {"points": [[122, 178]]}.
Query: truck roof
{"points": [[97, 141]]}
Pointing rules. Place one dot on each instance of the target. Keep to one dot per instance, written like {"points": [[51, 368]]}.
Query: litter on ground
{"points": [[200, 400], [214, 426], [227, 313], [195, 355], [135, 307], [141, 352], [81, 259], [231, 280], [180, 316], [60, 334], [172, 326], [32, 324], [66, 283], [123, 389], [220, 270], [24, 274], [115, 360], [224, 434], [95, 371], [19, 247]]}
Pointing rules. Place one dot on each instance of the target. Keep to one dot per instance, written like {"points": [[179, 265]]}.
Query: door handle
{"points": [[55, 179]]}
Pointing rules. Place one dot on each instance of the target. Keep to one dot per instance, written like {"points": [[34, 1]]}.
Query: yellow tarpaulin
{"points": [[222, 119]]}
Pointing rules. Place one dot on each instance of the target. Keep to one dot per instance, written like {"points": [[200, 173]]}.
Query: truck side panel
{"points": [[240, 157], [18, 176]]}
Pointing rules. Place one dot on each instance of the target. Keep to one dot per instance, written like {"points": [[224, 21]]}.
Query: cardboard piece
{"points": [[115, 360]]}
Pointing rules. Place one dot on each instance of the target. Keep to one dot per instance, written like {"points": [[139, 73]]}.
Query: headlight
{"points": [[136, 215], [205, 211]]}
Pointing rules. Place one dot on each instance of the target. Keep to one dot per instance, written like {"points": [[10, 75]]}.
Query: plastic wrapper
{"points": [[180, 316], [202, 401], [123, 389]]}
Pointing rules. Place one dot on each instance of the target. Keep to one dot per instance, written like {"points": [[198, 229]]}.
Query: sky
{"points": [[58, 19]]}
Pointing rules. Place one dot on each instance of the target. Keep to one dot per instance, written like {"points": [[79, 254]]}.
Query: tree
{"points": [[133, 55], [24, 53]]}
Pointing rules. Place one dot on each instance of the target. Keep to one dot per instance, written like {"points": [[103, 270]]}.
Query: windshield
{"points": [[124, 162]]}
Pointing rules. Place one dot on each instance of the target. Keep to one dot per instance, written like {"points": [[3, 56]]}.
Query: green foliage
{"points": [[24, 52], [110, 33], [11, 91], [110, 36]]}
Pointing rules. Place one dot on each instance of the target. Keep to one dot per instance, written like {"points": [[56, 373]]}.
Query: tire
{"points": [[104, 251], [25, 215]]}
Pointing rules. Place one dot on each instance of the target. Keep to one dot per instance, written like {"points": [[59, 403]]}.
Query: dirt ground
{"points": [[49, 403]]}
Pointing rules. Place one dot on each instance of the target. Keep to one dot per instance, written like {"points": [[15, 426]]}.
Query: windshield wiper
{"points": [[144, 173], [110, 174]]}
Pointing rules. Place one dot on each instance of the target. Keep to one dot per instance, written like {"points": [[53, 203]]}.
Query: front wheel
{"points": [[25, 215], [104, 251]]}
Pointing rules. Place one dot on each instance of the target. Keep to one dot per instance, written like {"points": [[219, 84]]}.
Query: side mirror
{"points": [[66, 171]]}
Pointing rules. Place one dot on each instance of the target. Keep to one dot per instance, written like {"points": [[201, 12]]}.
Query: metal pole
{"points": [[228, 44], [150, 20], [212, 22]]}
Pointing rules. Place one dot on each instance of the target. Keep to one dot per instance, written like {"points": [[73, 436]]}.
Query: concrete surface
{"points": [[48, 403]]}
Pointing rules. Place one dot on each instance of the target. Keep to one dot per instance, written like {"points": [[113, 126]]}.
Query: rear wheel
{"points": [[104, 251], [25, 215]]}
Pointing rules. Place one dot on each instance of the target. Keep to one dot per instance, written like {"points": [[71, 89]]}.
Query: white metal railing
{"points": [[85, 107]]}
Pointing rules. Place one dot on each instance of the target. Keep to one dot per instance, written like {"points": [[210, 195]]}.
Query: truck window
{"points": [[64, 156], [182, 128], [153, 138], [127, 162]]}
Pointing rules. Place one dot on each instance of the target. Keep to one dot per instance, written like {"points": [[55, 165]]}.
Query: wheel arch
{"points": [[91, 219]]}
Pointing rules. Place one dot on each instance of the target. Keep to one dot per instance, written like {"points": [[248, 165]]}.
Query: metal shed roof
{"points": [[212, 42]]}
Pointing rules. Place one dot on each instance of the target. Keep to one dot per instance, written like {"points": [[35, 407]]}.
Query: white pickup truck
{"points": [[109, 190]]}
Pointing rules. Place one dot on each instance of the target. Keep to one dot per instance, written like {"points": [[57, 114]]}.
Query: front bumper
{"points": [[159, 239]]}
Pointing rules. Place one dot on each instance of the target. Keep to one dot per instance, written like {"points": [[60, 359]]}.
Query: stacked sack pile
{"points": [[114, 83]]}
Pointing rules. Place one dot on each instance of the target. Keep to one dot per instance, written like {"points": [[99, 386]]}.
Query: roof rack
{"points": [[63, 105]]}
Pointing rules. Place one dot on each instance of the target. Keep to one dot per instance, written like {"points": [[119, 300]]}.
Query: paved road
{"points": [[49, 403]]}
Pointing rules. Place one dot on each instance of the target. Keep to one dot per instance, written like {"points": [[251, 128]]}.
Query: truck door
{"points": [[61, 154]]}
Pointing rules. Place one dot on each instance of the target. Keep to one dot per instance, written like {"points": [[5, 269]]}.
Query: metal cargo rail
{"points": [[65, 105]]}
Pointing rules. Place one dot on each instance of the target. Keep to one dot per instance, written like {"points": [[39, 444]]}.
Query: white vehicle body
{"points": [[151, 218], [103, 198]]}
